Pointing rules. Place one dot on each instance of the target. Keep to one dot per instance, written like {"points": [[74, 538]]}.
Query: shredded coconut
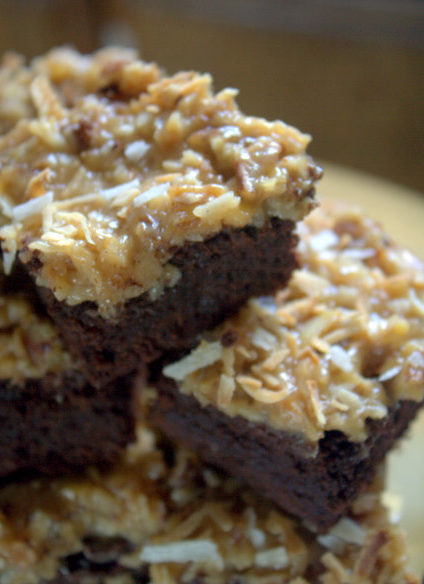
{"points": [[390, 373], [349, 531], [181, 552], [32, 207], [323, 240], [137, 150], [341, 358], [114, 192], [276, 558], [206, 354], [152, 193]]}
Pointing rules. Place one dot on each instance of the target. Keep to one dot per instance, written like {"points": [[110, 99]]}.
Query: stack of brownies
{"points": [[199, 380]]}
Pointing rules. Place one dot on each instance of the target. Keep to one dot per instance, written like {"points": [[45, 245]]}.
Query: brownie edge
{"points": [[60, 423], [217, 277], [315, 487]]}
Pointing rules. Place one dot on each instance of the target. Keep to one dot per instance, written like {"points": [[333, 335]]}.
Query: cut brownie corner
{"points": [[315, 485], [303, 393]]}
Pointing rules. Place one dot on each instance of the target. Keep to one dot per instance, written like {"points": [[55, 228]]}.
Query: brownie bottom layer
{"points": [[60, 423], [217, 277], [316, 487]]}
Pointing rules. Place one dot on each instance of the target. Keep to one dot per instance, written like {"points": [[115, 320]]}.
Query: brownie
{"points": [[302, 394], [60, 423], [217, 277], [317, 487], [52, 420], [162, 515], [136, 199]]}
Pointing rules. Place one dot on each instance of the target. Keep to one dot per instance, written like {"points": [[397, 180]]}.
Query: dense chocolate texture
{"points": [[315, 487], [217, 277], [59, 423]]}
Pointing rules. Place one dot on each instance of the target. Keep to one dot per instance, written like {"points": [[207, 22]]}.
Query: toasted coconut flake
{"points": [[359, 254], [323, 240], [348, 397], [226, 390], [320, 345], [218, 207], [337, 405], [340, 358], [45, 99], [152, 193], [264, 339], [8, 261], [331, 542], [275, 359], [254, 388], [9, 255], [349, 531], [32, 207], [309, 282], [206, 354], [338, 336], [275, 558], [181, 552], [257, 537], [136, 151], [336, 568], [390, 373], [113, 192], [315, 402]]}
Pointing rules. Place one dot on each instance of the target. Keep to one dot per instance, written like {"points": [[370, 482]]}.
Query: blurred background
{"points": [[349, 73]]}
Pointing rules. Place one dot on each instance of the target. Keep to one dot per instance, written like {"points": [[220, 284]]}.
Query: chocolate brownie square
{"points": [[146, 207], [302, 394]]}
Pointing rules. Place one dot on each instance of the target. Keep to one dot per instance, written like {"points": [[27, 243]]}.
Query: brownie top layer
{"points": [[340, 345], [29, 344], [161, 511], [114, 164]]}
